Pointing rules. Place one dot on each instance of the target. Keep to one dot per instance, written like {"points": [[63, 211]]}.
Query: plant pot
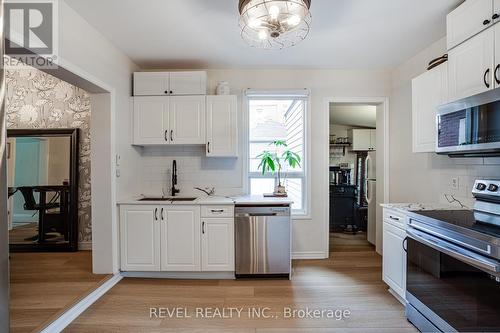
{"points": [[281, 190]]}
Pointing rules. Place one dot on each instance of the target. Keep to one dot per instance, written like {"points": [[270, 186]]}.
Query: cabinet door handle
{"points": [[166, 135], [208, 147], [394, 218], [496, 74], [156, 214], [495, 16], [171, 135], [203, 227], [219, 211], [171, 92], [485, 78], [486, 22], [162, 217], [405, 244], [166, 92]]}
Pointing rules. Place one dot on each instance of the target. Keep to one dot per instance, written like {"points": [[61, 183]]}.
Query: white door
{"points": [[429, 91], [187, 120], [467, 20], [394, 259], [361, 140], [151, 120], [151, 83], [373, 139], [222, 126], [180, 239], [139, 238], [496, 10], [188, 83], [217, 245], [496, 72], [471, 66]]}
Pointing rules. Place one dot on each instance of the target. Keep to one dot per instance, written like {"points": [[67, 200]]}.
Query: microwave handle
{"points": [[456, 252]]}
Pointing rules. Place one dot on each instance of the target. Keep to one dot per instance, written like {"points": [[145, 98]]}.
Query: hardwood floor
{"points": [[43, 285], [349, 280], [342, 242]]}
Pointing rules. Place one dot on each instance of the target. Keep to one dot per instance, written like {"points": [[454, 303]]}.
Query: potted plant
{"points": [[273, 161]]}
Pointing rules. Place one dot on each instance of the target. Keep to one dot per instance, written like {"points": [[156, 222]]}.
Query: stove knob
{"points": [[493, 188], [481, 187]]}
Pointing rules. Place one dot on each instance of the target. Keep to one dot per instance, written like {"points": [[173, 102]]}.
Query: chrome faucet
{"points": [[210, 191], [174, 179]]}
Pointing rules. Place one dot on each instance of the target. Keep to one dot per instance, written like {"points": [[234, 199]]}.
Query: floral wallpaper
{"points": [[35, 99]]}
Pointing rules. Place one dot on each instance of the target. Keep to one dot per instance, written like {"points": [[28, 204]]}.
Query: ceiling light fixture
{"points": [[274, 24]]}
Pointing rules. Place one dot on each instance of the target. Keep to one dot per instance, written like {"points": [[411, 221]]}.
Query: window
{"points": [[272, 118]]}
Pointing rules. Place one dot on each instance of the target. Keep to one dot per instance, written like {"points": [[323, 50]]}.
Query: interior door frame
{"points": [[384, 102]]}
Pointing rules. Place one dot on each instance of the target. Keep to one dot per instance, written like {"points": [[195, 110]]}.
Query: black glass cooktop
{"points": [[462, 218]]}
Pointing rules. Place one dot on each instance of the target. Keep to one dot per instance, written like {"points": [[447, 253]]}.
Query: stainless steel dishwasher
{"points": [[263, 238]]}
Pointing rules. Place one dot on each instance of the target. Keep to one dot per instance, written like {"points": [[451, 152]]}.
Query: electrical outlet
{"points": [[455, 184]]}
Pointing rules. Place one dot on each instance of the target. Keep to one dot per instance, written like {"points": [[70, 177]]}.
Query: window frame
{"points": [[304, 175]]}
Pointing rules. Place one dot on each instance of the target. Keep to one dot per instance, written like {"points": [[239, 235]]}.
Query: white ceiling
{"points": [[346, 34], [355, 115]]}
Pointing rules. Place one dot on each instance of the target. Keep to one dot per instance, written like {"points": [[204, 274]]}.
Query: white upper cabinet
{"points": [[170, 83], [470, 66], [151, 83], [188, 83], [187, 120], [468, 19], [151, 120], [222, 126], [180, 239], [429, 91], [363, 139], [217, 245], [496, 68], [169, 120], [140, 238]]}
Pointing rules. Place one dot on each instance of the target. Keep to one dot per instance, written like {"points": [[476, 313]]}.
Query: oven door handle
{"points": [[454, 251]]}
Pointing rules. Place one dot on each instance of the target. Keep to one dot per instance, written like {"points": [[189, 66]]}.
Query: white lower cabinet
{"points": [[217, 244], [175, 238], [180, 239], [394, 255], [139, 238]]}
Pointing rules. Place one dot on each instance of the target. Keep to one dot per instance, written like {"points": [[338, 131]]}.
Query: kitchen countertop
{"points": [[260, 200], [415, 207], [215, 200]]}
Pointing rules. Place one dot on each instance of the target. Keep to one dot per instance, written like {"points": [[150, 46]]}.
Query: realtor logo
{"points": [[31, 33]]}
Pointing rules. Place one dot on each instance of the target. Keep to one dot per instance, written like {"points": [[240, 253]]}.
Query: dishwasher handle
{"points": [[255, 214]]}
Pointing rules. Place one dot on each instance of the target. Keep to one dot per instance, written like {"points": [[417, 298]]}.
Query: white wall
{"points": [[309, 234], [86, 53], [425, 177]]}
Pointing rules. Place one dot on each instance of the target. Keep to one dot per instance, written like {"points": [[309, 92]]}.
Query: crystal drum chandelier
{"points": [[274, 24]]}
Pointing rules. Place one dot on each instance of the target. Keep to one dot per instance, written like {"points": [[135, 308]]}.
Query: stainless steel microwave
{"points": [[470, 127]]}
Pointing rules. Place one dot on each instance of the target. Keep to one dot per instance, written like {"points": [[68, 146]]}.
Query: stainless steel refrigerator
{"points": [[371, 195], [4, 239]]}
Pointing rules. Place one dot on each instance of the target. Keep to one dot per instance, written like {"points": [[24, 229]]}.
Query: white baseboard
{"points": [[181, 275], [309, 255], [85, 246], [66, 318]]}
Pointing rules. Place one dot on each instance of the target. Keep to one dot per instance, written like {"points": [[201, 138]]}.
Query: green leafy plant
{"points": [[273, 161]]}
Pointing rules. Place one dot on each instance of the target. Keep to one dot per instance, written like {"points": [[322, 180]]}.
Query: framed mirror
{"points": [[42, 177]]}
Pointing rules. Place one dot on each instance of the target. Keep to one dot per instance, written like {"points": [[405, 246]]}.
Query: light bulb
{"points": [[294, 20], [254, 23], [274, 11], [263, 35]]}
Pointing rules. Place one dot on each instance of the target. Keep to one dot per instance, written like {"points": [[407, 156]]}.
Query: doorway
{"points": [[357, 173]]}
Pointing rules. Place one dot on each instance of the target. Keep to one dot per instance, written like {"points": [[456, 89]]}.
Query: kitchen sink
{"points": [[168, 199]]}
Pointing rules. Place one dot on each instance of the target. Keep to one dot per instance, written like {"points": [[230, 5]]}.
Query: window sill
{"points": [[300, 216]]}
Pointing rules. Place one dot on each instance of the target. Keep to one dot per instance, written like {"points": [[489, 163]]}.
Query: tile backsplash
{"points": [[194, 169]]}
